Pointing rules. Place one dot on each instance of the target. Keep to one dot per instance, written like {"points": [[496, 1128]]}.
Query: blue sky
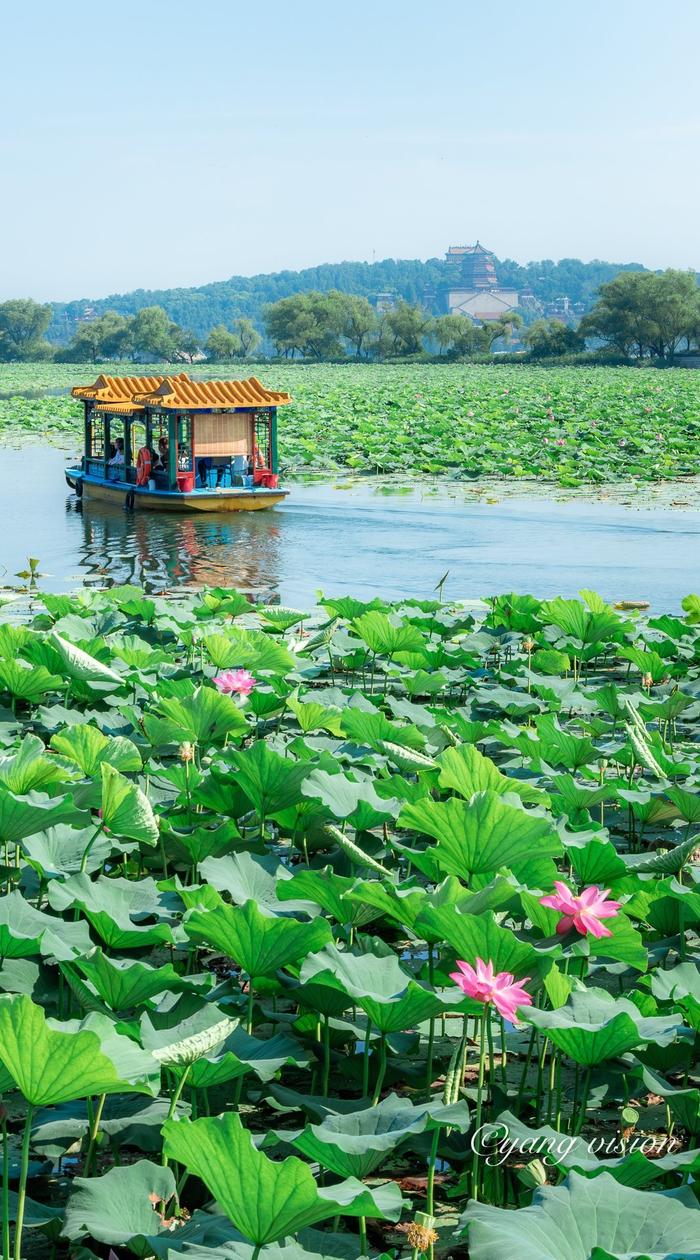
{"points": [[159, 143]]}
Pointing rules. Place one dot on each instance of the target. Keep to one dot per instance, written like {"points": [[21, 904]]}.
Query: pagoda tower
{"points": [[472, 287]]}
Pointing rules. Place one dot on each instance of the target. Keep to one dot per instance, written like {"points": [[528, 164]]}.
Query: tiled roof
{"points": [[119, 408], [116, 388], [175, 392]]}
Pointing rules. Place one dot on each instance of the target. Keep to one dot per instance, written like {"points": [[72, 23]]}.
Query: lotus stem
{"points": [[431, 1033], [584, 1100], [363, 1237], [22, 1191], [479, 1096], [382, 1069], [88, 847], [251, 1001], [94, 1128], [326, 1056], [430, 1189], [174, 1100], [504, 1055], [5, 1191]]}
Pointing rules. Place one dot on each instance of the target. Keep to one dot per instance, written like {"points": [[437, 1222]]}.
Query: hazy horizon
{"points": [[164, 150]]}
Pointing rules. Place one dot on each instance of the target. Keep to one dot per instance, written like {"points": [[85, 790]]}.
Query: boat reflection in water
{"points": [[163, 551]]}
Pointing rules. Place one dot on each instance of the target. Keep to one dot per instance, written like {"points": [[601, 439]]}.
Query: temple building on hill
{"points": [[473, 287]]}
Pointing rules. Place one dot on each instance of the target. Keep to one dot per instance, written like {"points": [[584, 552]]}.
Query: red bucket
{"points": [[185, 482], [268, 480]]}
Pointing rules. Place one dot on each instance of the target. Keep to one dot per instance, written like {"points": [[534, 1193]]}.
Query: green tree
{"points": [[549, 337], [641, 313], [108, 337], [23, 323], [154, 336], [407, 325], [221, 346], [458, 334], [358, 321], [309, 324], [249, 338], [499, 328]]}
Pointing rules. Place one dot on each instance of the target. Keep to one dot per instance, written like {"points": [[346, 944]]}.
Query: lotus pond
{"points": [[570, 426], [365, 932]]}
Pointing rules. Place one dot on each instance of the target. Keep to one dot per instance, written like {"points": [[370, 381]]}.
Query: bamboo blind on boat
{"points": [[222, 434]]}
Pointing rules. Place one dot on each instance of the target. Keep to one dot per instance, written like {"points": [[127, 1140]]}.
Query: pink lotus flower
{"points": [[502, 990], [239, 681], [583, 912]]}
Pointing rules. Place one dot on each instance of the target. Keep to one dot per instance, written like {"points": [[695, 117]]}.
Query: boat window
{"points": [[183, 433], [138, 438], [96, 438], [262, 436]]}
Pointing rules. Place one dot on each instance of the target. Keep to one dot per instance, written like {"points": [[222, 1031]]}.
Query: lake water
{"points": [[358, 541]]}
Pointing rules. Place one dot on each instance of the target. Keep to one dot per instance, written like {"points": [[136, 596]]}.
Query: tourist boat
{"points": [[173, 444]]}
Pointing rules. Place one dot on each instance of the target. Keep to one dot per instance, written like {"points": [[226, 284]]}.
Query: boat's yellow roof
{"points": [[116, 388], [175, 393], [181, 392], [120, 408]]}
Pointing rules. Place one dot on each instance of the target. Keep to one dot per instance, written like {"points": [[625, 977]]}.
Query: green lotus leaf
{"points": [[330, 892], [52, 1062], [465, 770], [22, 816], [595, 1026], [126, 810], [559, 748], [28, 682], [89, 748], [687, 803], [59, 850], [26, 932], [391, 998], [119, 1207], [358, 802], [259, 944], [265, 1200], [29, 768], [375, 730], [473, 936], [581, 1155], [127, 983], [251, 878], [596, 861], [271, 783], [240, 1054], [357, 1143], [315, 717], [116, 907], [200, 843], [206, 718], [179, 1033], [570, 1221], [385, 637], [481, 835], [250, 648], [80, 665], [676, 983]]}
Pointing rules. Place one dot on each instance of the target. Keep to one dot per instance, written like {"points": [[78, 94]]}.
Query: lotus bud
{"points": [[529, 645], [186, 752], [533, 1174], [647, 681]]}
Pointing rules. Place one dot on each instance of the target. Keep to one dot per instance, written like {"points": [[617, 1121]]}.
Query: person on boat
{"points": [[160, 463], [118, 453]]}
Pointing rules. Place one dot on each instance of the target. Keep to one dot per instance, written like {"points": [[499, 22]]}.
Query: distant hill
{"points": [[200, 309]]}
